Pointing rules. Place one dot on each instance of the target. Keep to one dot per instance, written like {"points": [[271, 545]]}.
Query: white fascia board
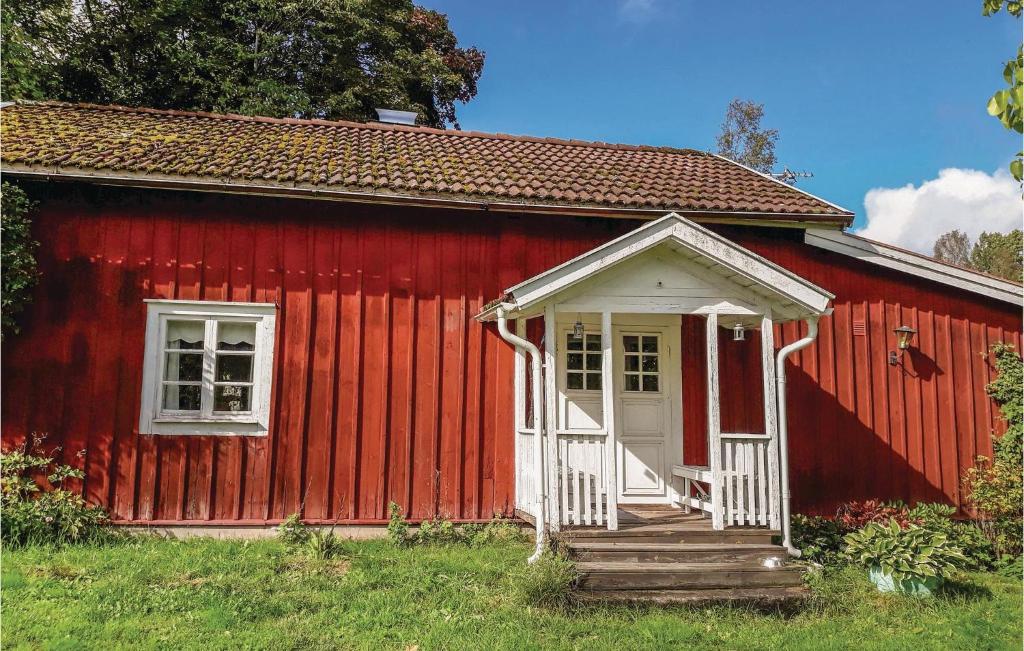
{"points": [[915, 264], [687, 234]]}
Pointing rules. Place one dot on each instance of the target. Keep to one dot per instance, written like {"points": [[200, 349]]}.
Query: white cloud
{"points": [[636, 10], [969, 200]]}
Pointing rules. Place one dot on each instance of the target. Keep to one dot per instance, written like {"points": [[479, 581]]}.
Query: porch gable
{"points": [[711, 257]]}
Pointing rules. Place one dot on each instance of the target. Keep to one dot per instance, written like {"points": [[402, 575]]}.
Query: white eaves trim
{"points": [[675, 228], [915, 264]]}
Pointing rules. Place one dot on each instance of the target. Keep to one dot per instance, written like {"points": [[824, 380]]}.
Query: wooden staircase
{"points": [[661, 555]]}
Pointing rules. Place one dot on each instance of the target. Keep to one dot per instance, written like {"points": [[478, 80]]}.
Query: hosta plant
{"points": [[904, 556]]}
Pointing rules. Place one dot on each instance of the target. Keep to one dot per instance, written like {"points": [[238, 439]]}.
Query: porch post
{"points": [[610, 441], [714, 426], [771, 425], [551, 417]]}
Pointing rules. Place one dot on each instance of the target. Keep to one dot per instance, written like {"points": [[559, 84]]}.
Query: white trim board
{"points": [[915, 264]]}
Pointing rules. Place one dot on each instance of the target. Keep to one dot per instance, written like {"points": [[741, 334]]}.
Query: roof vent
{"points": [[391, 116]]}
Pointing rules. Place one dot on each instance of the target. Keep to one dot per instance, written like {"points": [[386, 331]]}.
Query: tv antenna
{"points": [[790, 177]]}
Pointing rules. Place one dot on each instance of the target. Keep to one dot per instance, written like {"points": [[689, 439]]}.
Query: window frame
{"points": [[154, 419], [565, 352], [640, 354]]}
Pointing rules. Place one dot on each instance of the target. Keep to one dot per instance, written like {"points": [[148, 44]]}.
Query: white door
{"points": [[647, 391]]}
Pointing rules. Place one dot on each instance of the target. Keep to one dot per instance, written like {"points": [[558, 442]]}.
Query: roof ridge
{"points": [[377, 126]]}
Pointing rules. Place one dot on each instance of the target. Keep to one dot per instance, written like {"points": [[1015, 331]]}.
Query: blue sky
{"points": [[865, 94]]}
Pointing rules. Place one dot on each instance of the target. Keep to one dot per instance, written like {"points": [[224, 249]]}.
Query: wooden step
{"points": [[611, 575], [667, 535], [644, 552], [752, 597]]}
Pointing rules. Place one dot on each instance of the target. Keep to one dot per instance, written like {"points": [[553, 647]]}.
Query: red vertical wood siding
{"points": [[386, 389]]}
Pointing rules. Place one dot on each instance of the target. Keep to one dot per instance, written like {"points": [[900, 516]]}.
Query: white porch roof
{"points": [[686, 243]]}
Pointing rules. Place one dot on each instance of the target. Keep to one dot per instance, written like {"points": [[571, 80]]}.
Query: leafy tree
{"points": [[17, 255], [743, 140], [335, 59], [999, 254], [953, 247], [1007, 104]]}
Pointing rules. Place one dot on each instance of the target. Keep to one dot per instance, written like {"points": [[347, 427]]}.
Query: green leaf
{"points": [[1017, 169]]}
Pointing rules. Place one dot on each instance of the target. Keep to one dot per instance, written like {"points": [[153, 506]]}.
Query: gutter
{"points": [[780, 383], [538, 439]]}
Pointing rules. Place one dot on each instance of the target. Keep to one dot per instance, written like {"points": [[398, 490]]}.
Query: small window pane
{"points": [[593, 342], [632, 363], [574, 380], [573, 343], [632, 383], [185, 335], [650, 344], [650, 383], [231, 398], [236, 336], [184, 367], [593, 362], [574, 361], [594, 381], [650, 363], [234, 368], [631, 343], [182, 398]]}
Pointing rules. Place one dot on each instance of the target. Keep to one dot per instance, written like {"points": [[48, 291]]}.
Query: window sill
{"points": [[245, 420]]}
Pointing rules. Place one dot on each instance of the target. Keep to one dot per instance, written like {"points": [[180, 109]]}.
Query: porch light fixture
{"points": [[904, 335], [738, 333], [577, 329]]}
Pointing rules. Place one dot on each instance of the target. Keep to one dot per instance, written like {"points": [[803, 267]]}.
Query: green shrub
{"points": [[17, 255], [438, 531], [818, 539], [995, 488], [911, 552], [292, 531], [547, 582], [398, 528], [967, 536], [323, 545], [32, 515]]}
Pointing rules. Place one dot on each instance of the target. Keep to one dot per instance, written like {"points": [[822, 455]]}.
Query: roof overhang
{"points": [[794, 296], [124, 178], [916, 264]]}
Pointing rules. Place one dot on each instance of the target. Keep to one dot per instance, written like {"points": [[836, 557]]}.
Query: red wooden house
{"points": [[242, 318]]}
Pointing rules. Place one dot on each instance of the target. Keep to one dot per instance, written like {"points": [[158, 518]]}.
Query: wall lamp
{"points": [[904, 335]]}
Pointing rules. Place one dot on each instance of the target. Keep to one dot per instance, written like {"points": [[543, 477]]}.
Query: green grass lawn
{"points": [[153, 593]]}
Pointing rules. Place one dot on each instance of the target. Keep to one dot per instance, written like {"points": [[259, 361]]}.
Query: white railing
{"points": [[525, 489], [582, 487], [745, 492]]}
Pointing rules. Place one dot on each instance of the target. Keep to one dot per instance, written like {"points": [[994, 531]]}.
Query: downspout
{"points": [[538, 438], [780, 381]]}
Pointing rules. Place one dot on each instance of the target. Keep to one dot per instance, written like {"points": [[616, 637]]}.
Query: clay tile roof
{"points": [[388, 160]]}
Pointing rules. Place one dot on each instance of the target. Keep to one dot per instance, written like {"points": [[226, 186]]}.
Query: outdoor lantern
{"points": [[738, 333], [904, 335], [577, 329]]}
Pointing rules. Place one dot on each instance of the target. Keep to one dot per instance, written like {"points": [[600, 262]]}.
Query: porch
{"points": [[617, 434], [599, 407]]}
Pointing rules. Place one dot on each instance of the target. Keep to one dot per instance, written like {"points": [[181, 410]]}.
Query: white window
{"points": [[208, 368], [640, 360], [582, 362]]}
